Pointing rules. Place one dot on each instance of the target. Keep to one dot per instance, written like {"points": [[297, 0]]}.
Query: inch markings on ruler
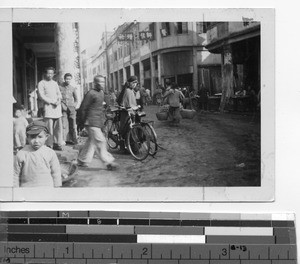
{"points": [[149, 251], [149, 238]]}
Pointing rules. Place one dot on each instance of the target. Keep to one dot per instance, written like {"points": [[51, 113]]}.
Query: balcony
{"points": [[175, 40]]}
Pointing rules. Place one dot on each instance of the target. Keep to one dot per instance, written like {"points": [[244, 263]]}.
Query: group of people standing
{"points": [[187, 92], [58, 111], [36, 163]]}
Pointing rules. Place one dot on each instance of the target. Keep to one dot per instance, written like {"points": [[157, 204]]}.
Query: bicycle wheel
{"points": [[111, 134], [137, 142], [152, 138]]}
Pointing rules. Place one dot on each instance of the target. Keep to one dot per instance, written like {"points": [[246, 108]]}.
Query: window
{"points": [[165, 26], [115, 56], [155, 63], [199, 27], [202, 27], [152, 28], [126, 50], [182, 27], [120, 53]]}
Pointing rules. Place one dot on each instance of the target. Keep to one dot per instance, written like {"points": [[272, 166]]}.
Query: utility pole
{"points": [[107, 61]]}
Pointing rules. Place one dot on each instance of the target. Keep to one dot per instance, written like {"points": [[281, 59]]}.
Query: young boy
{"points": [[20, 124], [36, 165]]}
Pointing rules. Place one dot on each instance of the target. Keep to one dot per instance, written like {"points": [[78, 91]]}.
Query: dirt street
{"points": [[212, 149]]}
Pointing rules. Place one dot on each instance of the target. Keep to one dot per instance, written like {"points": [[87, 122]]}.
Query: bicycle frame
{"points": [[133, 119], [133, 122]]}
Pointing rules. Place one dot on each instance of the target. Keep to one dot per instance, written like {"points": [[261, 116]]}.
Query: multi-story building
{"points": [[176, 51], [239, 45]]}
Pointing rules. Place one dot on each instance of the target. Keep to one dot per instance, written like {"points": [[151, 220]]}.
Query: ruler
{"points": [[96, 237]]}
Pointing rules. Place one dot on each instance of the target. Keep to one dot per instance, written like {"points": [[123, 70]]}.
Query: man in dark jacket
{"points": [[92, 116]]}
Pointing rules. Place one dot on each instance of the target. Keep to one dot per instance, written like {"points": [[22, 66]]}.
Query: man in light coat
{"points": [[49, 93]]}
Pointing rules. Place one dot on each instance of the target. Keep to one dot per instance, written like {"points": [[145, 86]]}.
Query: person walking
{"points": [[50, 94], [167, 91], [138, 96], [157, 96], [91, 114], [148, 99], [68, 104], [174, 98], [144, 96], [113, 97]]}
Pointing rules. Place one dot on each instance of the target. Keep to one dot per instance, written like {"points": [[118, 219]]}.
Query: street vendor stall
{"points": [[241, 102], [214, 102]]}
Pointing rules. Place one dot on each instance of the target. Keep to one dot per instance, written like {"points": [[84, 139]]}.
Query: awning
{"points": [[217, 45]]}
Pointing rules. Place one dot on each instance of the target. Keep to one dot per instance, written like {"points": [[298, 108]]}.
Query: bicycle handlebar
{"points": [[128, 108]]}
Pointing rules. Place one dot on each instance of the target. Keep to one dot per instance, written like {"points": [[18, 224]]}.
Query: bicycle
{"points": [[152, 136], [140, 140]]}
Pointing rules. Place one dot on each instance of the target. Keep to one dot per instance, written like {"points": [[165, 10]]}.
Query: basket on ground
{"points": [[162, 116], [187, 113], [164, 108]]}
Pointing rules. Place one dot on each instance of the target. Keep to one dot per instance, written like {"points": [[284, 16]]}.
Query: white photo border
{"points": [[264, 193]]}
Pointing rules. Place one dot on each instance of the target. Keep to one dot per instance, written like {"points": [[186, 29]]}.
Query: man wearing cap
{"points": [[36, 165], [91, 114]]}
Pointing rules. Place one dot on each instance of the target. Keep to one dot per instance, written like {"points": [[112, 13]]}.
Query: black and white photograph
{"points": [[123, 100]]}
